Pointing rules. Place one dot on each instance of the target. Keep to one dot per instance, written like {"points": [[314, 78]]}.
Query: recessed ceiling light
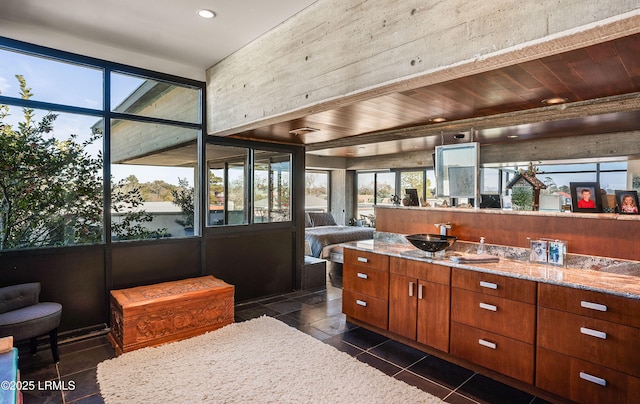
{"points": [[554, 100], [204, 13], [438, 120], [512, 136]]}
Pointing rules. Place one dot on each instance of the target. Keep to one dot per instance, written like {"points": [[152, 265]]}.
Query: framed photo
{"points": [[557, 253], [538, 252], [627, 202], [585, 197], [413, 196]]}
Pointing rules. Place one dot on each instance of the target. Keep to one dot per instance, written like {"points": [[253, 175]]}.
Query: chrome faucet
{"points": [[444, 227]]}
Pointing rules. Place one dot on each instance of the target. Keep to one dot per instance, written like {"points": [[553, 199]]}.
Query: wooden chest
{"points": [[171, 311]]}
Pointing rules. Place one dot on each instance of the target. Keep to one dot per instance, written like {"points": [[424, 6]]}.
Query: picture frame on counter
{"points": [[548, 251], [586, 197], [538, 251], [557, 253], [627, 202]]}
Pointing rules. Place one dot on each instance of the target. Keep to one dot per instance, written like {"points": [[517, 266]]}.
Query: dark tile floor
{"points": [[315, 312]]}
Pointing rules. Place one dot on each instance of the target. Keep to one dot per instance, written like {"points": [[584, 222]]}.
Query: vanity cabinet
{"points": [[585, 345], [419, 302], [578, 344], [365, 284], [493, 322]]}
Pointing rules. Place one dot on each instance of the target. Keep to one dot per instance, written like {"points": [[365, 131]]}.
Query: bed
{"points": [[324, 236]]}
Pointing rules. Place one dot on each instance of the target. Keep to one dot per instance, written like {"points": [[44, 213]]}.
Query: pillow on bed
{"points": [[307, 220], [322, 219]]}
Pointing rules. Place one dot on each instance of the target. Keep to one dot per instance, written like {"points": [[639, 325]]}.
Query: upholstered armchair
{"points": [[25, 318]]}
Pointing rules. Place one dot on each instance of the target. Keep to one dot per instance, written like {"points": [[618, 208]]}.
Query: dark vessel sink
{"points": [[431, 242]]}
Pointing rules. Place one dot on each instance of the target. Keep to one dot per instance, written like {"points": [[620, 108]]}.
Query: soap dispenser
{"points": [[481, 246]]}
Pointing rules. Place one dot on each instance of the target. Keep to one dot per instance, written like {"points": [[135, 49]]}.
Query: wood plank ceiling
{"points": [[601, 85]]}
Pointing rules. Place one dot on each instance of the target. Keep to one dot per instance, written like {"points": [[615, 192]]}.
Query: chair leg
{"points": [[53, 341], [33, 344]]}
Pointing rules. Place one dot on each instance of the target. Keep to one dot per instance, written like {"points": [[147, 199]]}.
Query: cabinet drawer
{"points": [[583, 382], [365, 308], [502, 316], [366, 259], [496, 285], [420, 270], [613, 308], [597, 341], [366, 281], [504, 355]]}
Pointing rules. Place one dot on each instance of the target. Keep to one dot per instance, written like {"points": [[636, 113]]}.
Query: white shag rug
{"points": [[257, 361]]}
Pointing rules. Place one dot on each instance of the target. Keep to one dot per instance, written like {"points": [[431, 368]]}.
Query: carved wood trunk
{"points": [[171, 311]]}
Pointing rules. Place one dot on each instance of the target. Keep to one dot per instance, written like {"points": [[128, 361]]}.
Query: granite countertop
{"points": [[600, 274]]}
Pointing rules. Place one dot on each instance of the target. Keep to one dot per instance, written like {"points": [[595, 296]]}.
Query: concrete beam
{"points": [[338, 52], [589, 148]]}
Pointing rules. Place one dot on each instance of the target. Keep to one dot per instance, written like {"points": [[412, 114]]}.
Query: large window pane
{"points": [[157, 99], [412, 179], [431, 184], [365, 193], [227, 185], [153, 171], [271, 187], [51, 81], [489, 181], [385, 188], [316, 191], [51, 179]]}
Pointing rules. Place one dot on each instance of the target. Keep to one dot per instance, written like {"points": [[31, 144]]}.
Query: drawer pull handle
{"points": [[593, 333], [488, 307], [488, 285], [487, 343], [361, 303], [593, 379], [420, 292], [593, 306], [363, 276], [410, 289], [362, 259]]}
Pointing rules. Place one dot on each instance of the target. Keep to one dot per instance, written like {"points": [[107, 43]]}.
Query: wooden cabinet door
{"points": [[582, 381], [403, 305], [434, 315], [597, 341], [366, 281], [365, 308], [506, 317], [502, 354]]}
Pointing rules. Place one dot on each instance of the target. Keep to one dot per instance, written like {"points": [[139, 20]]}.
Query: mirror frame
{"points": [[448, 158]]}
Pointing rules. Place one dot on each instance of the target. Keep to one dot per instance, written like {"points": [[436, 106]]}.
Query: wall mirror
{"points": [[457, 170]]}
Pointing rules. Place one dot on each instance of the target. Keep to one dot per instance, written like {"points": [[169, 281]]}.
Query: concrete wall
{"points": [[337, 52]]}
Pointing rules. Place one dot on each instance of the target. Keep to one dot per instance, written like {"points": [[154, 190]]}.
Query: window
{"points": [[490, 181], [378, 188], [316, 191], [157, 158], [50, 161], [234, 186], [271, 187], [366, 193], [227, 185], [53, 127], [385, 188]]}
